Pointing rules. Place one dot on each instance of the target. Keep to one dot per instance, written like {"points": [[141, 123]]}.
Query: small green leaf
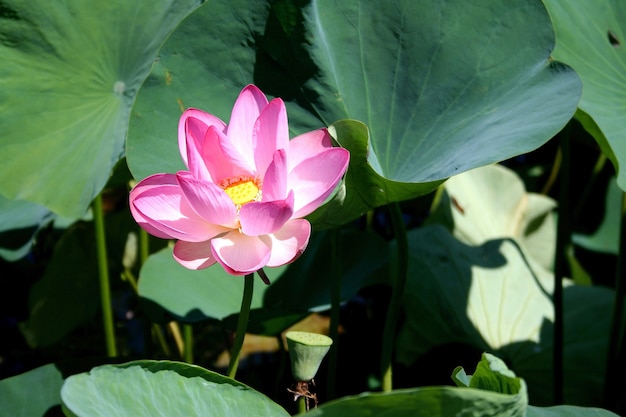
{"points": [[460, 378], [32, 393], [493, 375]]}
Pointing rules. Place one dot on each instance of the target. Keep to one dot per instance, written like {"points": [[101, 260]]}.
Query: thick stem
{"points": [[103, 273], [178, 337], [562, 240], [335, 309], [398, 275], [188, 338], [613, 389], [242, 324], [302, 405]]}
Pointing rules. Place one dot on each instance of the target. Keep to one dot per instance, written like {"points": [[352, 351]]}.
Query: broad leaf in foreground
{"points": [[151, 388]]}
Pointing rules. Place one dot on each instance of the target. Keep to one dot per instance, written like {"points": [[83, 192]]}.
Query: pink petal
{"points": [[271, 132], [241, 158], [195, 133], [194, 255], [308, 145], [205, 120], [275, 179], [240, 254], [262, 218], [289, 242], [165, 209], [245, 112], [221, 159], [315, 178], [152, 181], [208, 200]]}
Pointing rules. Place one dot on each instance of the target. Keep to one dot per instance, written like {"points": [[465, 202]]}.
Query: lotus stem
{"points": [[335, 309], [398, 276], [562, 240], [178, 337], [103, 274], [302, 406], [188, 343], [242, 324], [614, 363], [144, 246]]}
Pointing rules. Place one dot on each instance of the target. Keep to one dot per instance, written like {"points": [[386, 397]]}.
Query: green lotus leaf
{"points": [[495, 298], [69, 75], [32, 393], [606, 238], [151, 388], [19, 223], [590, 37], [490, 203], [166, 287], [438, 99]]}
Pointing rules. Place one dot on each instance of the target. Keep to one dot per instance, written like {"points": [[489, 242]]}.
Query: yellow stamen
{"points": [[241, 190]]}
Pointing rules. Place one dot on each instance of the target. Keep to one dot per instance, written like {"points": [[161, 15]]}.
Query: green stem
{"points": [[144, 246], [103, 273], [562, 240], [242, 324], [589, 186], [398, 275], [302, 408], [335, 308], [613, 389], [188, 337]]}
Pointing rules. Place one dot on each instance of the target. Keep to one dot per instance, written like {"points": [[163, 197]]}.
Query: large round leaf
{"points": [[591, 37], [70, 71], [168, 289], [425, 402], [491, 202], [491, 277], [195, 295], [495, 298], [438, 98], [151, 388], [493, 390], [362, 261]]}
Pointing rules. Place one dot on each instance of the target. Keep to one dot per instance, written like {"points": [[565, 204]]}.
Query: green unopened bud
{"points": [[306, 351]]}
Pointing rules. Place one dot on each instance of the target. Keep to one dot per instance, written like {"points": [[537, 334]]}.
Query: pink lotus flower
{"points": [[247, 187]]}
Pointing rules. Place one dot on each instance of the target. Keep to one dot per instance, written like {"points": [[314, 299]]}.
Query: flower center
{"points": [[242, 190]]}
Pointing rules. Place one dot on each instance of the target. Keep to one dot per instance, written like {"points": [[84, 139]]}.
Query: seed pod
{"points": [[306, 351]]}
